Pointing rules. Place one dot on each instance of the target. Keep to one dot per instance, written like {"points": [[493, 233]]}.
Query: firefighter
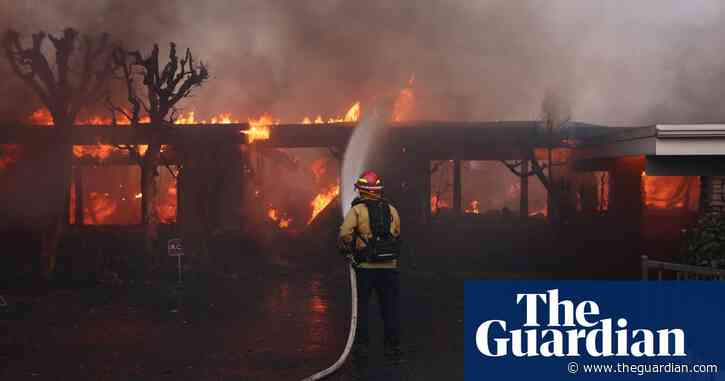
{"points": [[370, 235]]}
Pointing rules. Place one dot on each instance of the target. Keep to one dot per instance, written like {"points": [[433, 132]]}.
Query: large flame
{"points": [[99, 207], [352, 115], [324, 198]]}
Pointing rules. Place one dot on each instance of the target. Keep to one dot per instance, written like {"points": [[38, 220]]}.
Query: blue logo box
{"points": [[591, 330]]}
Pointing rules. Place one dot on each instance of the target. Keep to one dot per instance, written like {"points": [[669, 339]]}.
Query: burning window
{"points": [[670, 192], [110, 195], [290, 188], [490, 186], [167, 195], [441, 183], [486, 187]]}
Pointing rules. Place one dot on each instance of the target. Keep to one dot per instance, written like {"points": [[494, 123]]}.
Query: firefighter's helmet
{"points": [[369, 181]]}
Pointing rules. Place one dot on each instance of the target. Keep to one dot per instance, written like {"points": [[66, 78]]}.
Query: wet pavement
{"points": [[278, 322], [275, 316]]}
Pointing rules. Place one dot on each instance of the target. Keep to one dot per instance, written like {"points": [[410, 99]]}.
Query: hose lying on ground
{"points": [[350, 337]]}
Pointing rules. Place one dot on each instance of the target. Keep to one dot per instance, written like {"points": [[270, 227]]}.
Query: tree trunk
{"points": [[59, 179], [524, 200], [149, 187]]}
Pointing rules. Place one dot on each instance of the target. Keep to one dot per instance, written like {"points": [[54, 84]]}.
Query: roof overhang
{"points": [[670, 149], [660, 140]]}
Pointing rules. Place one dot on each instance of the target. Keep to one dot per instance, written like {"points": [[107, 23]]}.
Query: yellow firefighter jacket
{"points": [[358, 219]]}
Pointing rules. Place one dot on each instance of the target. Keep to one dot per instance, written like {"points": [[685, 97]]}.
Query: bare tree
{"points": [[161, 88], [554, 114], [67, 82]]}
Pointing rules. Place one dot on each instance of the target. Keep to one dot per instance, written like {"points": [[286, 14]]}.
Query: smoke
{"points": [[644, 62]]}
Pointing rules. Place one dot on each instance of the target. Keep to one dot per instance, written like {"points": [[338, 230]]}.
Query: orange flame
{"points": [[352, 115], [670, 192], [101, 207], [405, 102], [166, 209], [474, 208], [99, 151], [319, 168], [283, 222], [324, 198], [436, 204], [403, 106], [41, 117], [186, 119], [259, 128]]}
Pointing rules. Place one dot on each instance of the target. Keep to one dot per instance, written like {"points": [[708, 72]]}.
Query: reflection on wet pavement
{"points": [[301, 310], [271, 323]]}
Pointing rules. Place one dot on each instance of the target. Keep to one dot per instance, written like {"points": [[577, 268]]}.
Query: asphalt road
{"points": [[276, 314], [274, 322]]}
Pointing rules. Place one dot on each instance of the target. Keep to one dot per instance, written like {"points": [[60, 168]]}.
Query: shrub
{"points": [[705, 242]]}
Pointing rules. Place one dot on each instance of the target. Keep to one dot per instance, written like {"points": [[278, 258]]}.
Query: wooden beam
{"points": [[436, 140]]}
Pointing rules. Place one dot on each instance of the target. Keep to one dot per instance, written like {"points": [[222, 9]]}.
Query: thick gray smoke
{"points": [[633, 62]]}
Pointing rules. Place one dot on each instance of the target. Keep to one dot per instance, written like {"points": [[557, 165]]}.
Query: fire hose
{"points": [[351, 335]]}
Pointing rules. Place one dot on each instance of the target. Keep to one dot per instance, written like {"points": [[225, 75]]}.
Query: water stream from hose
{"points": [[357, 156]]}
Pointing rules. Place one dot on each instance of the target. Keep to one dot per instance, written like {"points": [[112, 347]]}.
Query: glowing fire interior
{"points": [[111, 205], [670, 192], [103, 207]]}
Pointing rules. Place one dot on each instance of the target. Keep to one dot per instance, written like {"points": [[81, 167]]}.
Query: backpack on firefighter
{"points": [[382, 246]]}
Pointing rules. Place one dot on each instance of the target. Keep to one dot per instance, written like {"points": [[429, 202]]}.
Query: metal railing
{"points": [[680, 271]]}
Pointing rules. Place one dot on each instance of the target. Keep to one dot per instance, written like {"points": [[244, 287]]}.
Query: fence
{"points": [[676, 271]]}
